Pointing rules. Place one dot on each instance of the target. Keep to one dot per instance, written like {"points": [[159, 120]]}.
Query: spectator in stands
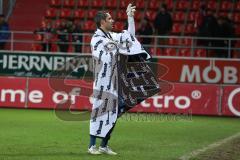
{"points": [[200, 16], [4, 32], [207, 28], [63, 36], [145, 29], [224, 29], [46, 32], [77, 37], [163, 23]]}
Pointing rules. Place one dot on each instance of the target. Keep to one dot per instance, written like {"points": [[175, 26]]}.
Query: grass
{"points": [[40, 135]]}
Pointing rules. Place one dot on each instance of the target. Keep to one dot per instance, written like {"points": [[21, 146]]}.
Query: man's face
{"points": [[108, 23]]}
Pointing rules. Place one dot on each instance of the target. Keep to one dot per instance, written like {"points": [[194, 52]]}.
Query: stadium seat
{"points": [[89, 25], [79, 14], [69, 3], [212, 4], [138, 16], [140, 4], [97, 4], [185, 52], [83, 3], [56, 23], [236, 17], [178, 16], [121, 15], [200, 53], [124, 3], [36, 47], [186, 42], [91, 13], [182, 4], [111, 4], [189, 29], [195, 5], [237, 30], [55, 3], [65, 13], [237, 6], [156, 51], [153, 4], [169, 4], [173, 41], [51, 13], [150, 15], [177, 28], [170, 52], [192, 16], [226, 5], [118, 26]]}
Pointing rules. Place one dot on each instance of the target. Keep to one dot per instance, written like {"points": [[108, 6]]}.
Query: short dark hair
{"points": [[101, 15]]}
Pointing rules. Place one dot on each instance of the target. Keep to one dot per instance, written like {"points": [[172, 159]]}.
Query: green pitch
{"points": [[40, 135]]}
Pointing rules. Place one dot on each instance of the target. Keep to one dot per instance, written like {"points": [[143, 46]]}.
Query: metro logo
{"points": [[180, 102]]}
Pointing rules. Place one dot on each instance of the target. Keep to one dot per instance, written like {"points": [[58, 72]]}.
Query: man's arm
{"points": [[131, 24]]}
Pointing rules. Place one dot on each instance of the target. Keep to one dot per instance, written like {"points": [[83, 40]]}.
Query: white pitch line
{"points": [[211, 146]]}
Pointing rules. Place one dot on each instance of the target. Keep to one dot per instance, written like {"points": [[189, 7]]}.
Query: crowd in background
{"points": [[207, 24]]}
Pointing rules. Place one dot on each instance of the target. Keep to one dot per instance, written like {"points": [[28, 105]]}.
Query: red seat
{"points": [[212, 5], [186, 52], [170, 52], [56, 23], [226, 5], [51, 13], [138, 16], [65, 13], [121, 15], [187, 41], [79, 14], [177, 28], [173, 41], [182, 5], [153, 4], [69, 3], [200, 53], [169, 4], [223, 14], [91, 13], [124, 3], [111, 4], [119, 26], [36, 47], [151, 15], [192, 16], [89, 26], [196, 5], [236, 17], [97, 4], [83, 3], [237, 6], [156, 51], [237, 30], [178, 16], [189, 29], [55, 3], [140, 4]]}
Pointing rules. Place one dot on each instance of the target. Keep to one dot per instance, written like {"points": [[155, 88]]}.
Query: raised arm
{"points": [[130, 13]]}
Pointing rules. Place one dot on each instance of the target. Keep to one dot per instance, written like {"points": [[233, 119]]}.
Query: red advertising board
{"points": [[184, 98], [231, 101], [13, 92], [213, 71]]}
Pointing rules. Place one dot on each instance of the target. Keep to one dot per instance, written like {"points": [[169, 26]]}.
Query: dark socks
{"points": [[92, 140]]}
